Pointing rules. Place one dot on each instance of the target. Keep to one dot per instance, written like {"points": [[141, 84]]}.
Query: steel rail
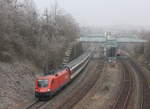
{"points": [[84, 59], [124, 96], [83, 90], [145, 86]]}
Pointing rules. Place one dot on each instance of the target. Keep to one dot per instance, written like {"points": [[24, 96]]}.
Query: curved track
{"points": [[123, 98], [82, 59], [77, 92], [35, 105], [145, 87], [82, 89]]}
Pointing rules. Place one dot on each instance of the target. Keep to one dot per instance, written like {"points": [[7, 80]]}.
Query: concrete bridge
{"points": [[109, 42], [108, 39]]}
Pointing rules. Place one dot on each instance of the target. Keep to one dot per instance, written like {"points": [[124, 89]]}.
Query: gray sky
{"points": [[104, 12]]}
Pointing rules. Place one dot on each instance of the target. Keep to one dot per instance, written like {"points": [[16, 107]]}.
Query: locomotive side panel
{"points": [[55, 84], [64, 78], [59, 80]]}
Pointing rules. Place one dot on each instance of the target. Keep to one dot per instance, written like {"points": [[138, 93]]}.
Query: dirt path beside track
{"points": [[102, 94]]}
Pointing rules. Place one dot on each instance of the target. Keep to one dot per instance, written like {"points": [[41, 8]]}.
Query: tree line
{"points": [[27, 34]]}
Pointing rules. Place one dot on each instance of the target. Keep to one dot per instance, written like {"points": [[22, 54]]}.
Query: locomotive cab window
{"points": [[43, 83]]}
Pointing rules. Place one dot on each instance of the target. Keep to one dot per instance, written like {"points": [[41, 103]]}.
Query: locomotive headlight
{"points": [[49, 89]]}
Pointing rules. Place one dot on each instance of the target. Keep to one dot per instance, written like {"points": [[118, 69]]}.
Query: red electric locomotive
{"points": [[51, 82]]}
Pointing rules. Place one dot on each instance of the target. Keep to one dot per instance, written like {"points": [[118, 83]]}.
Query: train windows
{"points": [[43, 83]]}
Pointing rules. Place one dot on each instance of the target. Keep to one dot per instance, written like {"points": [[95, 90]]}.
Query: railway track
{"points": [[75, 96], [82, 90], [36, 105], [145, 87], [123, 98]]}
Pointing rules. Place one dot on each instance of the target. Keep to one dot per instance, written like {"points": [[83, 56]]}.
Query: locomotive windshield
{"points": [[43, 83]]}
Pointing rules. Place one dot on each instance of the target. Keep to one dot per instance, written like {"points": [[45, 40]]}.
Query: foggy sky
{"points": [[104, 12]]}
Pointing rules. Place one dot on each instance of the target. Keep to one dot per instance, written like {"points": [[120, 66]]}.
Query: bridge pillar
{"points": [[110, 52]]}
